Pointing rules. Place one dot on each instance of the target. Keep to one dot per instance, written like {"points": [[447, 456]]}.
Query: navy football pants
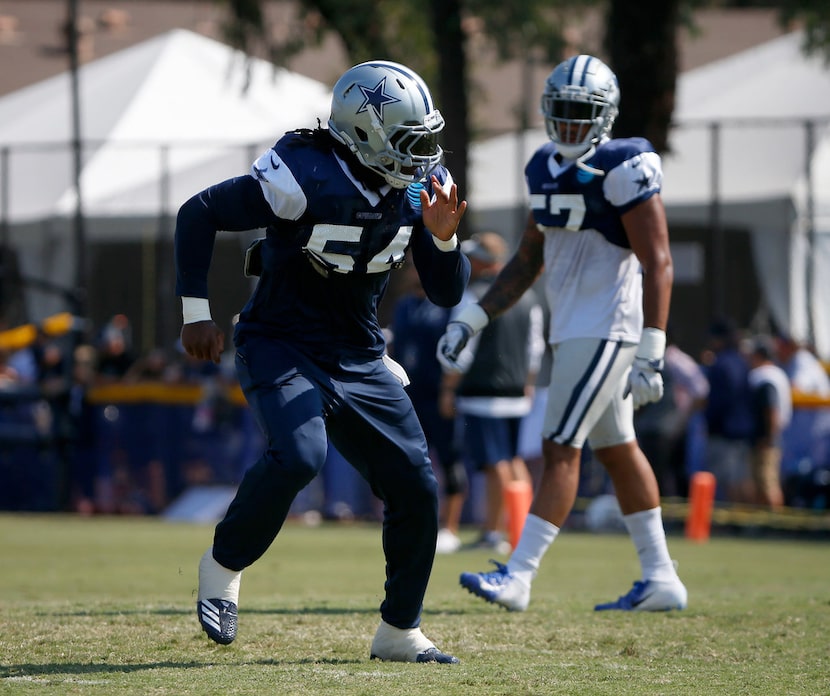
{"points": [[369, 418]]}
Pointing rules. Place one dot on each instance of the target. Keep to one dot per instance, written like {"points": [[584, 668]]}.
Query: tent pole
{"points": [[810, 231], [164, 328], [77, 155], [718, 307], [524, 124], [4, 196]]}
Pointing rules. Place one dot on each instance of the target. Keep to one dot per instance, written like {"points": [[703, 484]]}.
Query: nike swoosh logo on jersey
{"points": [[275, 165]]}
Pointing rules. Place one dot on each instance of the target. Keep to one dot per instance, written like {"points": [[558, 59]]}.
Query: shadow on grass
{"points": [[57, 668], [278, 611]]}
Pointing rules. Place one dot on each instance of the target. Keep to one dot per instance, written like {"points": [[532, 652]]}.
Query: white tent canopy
{"points": [[180, 89], [159, 121], [761, 99]]}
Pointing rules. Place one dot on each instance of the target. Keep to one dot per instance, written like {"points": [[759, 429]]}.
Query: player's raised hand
{"points": [[443, 213], [203, 340]]}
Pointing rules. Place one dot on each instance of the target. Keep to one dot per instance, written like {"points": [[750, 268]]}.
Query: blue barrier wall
{"points": [[135, 448]]}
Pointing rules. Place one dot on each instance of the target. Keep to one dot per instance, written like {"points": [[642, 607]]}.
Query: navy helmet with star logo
{"points": [[384, 113]]}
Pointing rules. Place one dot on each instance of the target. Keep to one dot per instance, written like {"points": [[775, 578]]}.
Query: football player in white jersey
{"points": [[597, 231]]}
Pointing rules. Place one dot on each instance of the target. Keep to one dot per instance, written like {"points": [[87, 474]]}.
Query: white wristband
{"points": [[447, 245], [652, 344], [195, 309], [473, 316]]}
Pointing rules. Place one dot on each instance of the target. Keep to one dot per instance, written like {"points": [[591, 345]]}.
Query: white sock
{"points": [[216, 581], [537, 536], [649, 537]]}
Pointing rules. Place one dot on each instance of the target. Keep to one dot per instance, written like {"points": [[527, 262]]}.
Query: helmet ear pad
{"points": [[384, 112]]}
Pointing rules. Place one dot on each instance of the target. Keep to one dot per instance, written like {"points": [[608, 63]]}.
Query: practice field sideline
{"points": [[106, 605]]}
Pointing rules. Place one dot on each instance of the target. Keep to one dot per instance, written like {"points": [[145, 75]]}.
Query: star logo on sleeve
{"points": [[643, 182], [376, 98]]}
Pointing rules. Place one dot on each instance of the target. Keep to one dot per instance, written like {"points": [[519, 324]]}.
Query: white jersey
{"points": [[593, 281], [777, 378]]}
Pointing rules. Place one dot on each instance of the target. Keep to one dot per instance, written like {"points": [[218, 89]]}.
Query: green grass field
{"points": [[106, 606]]}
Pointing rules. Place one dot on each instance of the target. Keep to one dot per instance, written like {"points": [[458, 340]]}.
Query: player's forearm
{"points": [[443, 274], [513, 281], [657, 288]]}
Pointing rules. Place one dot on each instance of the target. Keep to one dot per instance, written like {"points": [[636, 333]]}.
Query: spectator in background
{"points": [[493, 391], [770, 393], [115, 350], [806, 467], [23, 363], [9, 374], [728, 412], [84, 477], [153, 366], [806, 373], [662, 427], [417, 325]]}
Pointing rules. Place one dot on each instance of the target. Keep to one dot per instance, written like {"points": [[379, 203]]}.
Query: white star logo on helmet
{"points": [[376, 98]]}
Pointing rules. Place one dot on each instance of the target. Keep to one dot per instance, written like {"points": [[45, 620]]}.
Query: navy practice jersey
{"points": [[329, 248], [574, 198], [593, 281]]}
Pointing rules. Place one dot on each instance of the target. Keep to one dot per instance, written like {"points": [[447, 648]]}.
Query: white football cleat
{"points": [[406, 645], [447, 542]]}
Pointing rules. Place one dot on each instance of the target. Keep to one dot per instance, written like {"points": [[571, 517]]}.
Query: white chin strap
{"points": [[579, 159]]}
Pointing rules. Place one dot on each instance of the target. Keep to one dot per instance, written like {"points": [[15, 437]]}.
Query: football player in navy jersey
{"points": [[341, 206], [597, 232]]}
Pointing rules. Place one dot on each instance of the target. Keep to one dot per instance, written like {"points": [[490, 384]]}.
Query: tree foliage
{"points": [[431, 37], [814, 15]]}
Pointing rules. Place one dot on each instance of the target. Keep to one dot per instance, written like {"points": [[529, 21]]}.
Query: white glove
{"points": [[645, 383], [470, 320]]}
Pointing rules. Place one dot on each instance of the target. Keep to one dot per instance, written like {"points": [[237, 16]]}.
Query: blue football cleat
{"points": [[498, 586], [650, 595], [435, 655]]}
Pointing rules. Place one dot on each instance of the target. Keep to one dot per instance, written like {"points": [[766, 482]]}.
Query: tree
{"points": [[452, 84], [815, 17], [643, 52], [640, 43]]}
